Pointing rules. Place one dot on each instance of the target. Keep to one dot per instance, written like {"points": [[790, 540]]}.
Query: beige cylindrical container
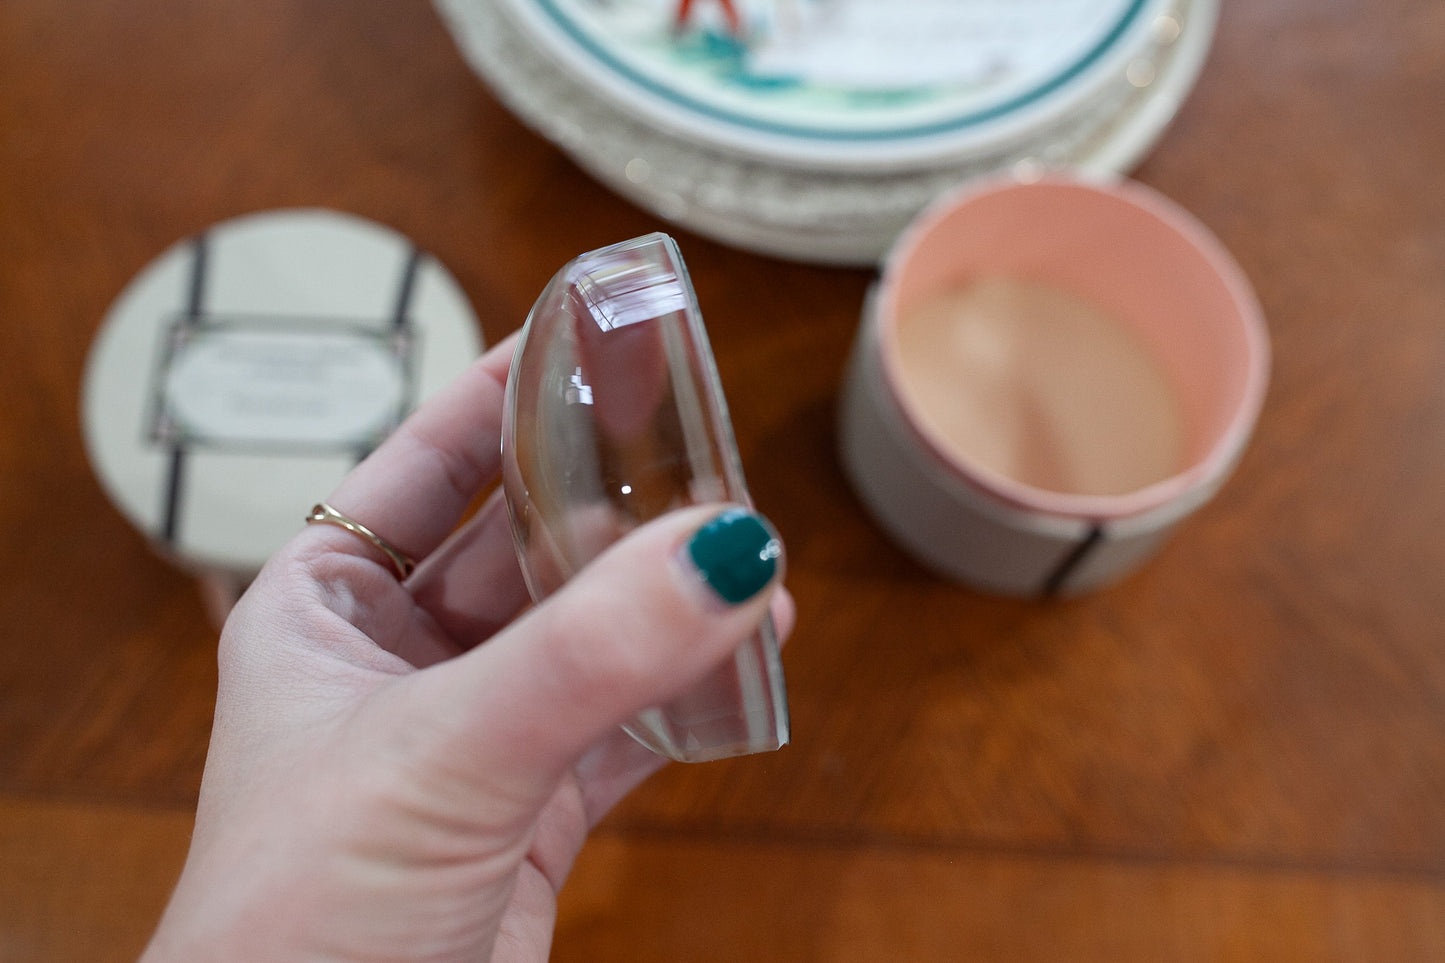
{"points": [[1048, 377], [243, 372]]}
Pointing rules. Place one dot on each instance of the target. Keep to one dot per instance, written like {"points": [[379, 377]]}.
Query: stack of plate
{"points": [[816, 129]]}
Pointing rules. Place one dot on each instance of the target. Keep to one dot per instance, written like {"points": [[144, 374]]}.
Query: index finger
{"points": [[415, 487]]}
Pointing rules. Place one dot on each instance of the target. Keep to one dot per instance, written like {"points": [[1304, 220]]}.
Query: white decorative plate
{"points": [[816, 129]]}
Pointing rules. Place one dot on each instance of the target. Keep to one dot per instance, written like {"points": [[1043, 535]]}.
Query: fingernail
{"points": [[736, 554]]}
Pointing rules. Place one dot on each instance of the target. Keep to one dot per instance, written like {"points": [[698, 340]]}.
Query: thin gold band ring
{"points": [[325, 514]]}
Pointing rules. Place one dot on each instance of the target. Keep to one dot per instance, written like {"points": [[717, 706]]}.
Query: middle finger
{"points": [[471, 585]]}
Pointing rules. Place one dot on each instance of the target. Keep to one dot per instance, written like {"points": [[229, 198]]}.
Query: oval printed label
{"points": [[289, 387]]}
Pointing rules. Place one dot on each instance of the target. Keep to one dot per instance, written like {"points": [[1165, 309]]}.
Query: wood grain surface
{"points": [[1236, 754]]}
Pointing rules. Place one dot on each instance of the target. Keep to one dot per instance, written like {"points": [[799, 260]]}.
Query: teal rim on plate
{"points": [[667, 68]]}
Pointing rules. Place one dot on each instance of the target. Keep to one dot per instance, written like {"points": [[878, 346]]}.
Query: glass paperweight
{"points": [[614, 416]]}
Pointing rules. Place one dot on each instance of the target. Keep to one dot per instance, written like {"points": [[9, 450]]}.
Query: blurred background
{"points": [[1236, 753]]}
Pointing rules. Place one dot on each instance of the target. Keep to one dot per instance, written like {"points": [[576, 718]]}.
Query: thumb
{"points": [[636, 627]]}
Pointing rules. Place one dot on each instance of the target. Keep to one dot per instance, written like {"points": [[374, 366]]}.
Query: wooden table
{"points": [[1238, 753]]}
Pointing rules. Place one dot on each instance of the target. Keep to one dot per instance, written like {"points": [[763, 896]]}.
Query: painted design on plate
{"points": [[858, 69]]}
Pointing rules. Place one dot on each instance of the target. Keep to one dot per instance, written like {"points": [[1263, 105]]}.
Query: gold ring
{"points": [[403, 563]]}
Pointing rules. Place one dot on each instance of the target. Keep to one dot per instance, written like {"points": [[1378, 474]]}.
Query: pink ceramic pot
{"points": [[1137, 257]]}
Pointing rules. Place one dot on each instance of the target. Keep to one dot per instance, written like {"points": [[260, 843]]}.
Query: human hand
{"points": [[380, 786]]}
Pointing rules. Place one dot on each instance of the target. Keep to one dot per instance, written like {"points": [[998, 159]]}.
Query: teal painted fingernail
{"points": [[736, 553]]}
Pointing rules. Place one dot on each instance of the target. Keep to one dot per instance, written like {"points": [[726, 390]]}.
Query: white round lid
{"points": [[242, 373], [844, 84]]}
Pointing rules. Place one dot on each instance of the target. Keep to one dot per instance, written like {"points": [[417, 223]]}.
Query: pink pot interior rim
{"points": [[1203, 471]]}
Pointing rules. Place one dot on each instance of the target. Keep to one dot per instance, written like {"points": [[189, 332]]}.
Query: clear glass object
{"points": [[614, 415]]}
